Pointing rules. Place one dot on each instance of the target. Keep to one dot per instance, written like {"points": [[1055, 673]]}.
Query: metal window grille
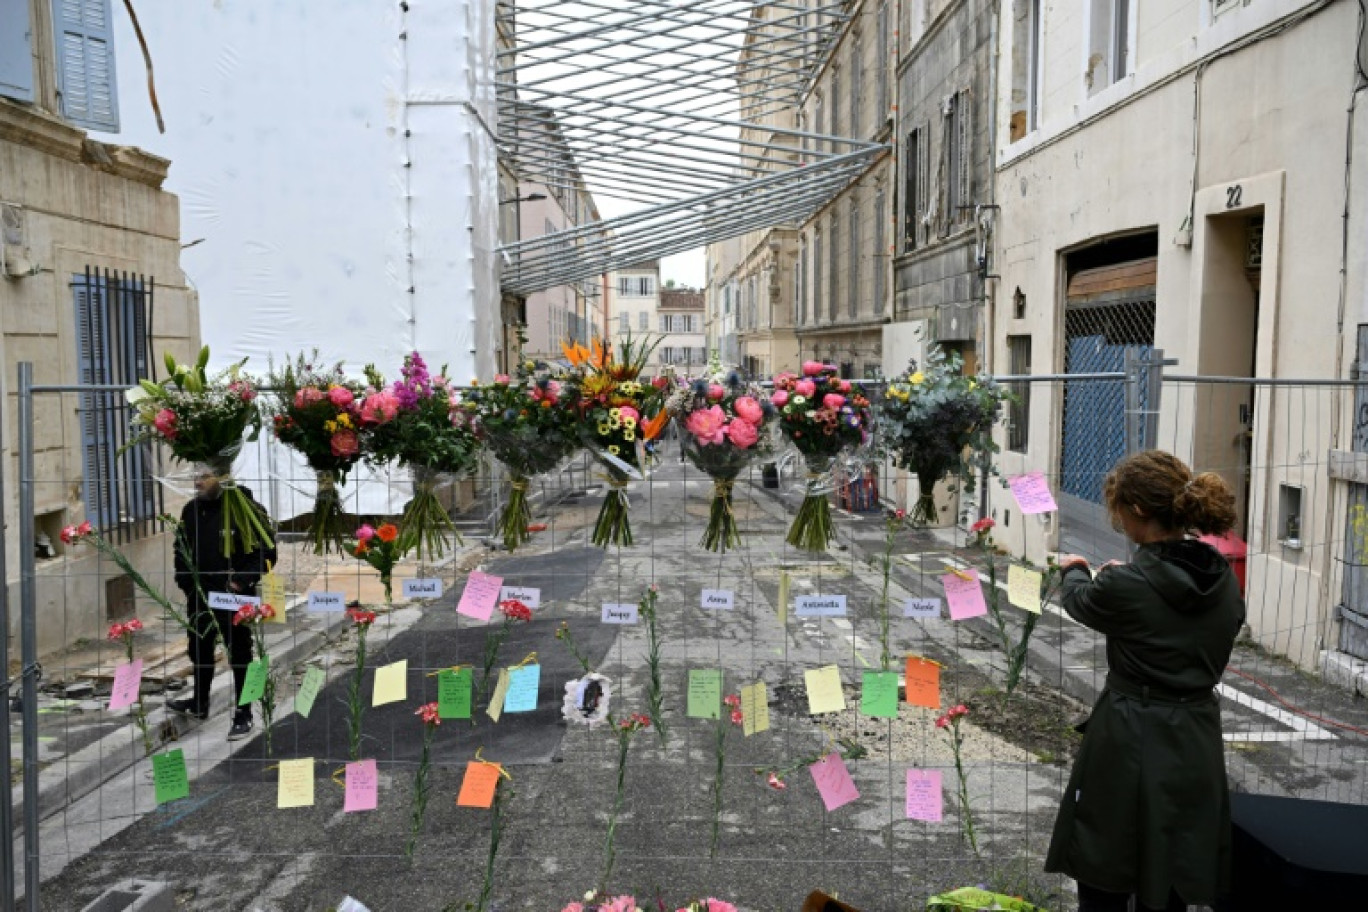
{"points": [[911, 192]]}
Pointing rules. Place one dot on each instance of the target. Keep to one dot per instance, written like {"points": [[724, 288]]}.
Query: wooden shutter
{"points": [[92, 351], [85, 63], [16, 50], [964, 124]]}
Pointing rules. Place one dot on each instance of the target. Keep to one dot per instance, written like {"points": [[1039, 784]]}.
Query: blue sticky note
{"points": [[522, 689]]}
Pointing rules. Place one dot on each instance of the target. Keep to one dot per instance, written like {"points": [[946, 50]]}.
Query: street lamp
{"points": [[530, 198]]}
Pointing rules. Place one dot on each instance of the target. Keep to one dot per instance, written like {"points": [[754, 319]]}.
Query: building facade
{"points": [[683, 345], [633, 310]]}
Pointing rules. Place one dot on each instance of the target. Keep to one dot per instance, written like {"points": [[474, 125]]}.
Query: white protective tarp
{"points": [[337, 185]]}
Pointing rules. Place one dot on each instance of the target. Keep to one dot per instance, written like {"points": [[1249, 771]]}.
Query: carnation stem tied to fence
{"points": [[655, 689]]}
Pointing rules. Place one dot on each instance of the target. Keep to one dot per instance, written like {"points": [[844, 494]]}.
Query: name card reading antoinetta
{"points": [[820, 605], [231, 601], [526, 594], [718, 599], [327, 601], [422, 588], [619, 614]]}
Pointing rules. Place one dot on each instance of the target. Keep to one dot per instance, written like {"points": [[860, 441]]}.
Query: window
{"points": [[624, 322], [834, 273], [645, 286], [85, 64], [726, 299], [1109, 43], [853, 273], [817, 275], [819, 119], [882, 54], [644, 321], [800, 285], [1026, 67], [911, 197], [664, 323], [878, 257], [16, 53], [1019, 412], [835, 104], [111, 348], [957, 155], [667, 355], [856, 83]]}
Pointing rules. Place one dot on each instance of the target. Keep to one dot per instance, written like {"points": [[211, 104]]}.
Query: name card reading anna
{"points": [[718, 599], [327, 601], [231, 601], [820, 605], [526, 594], [422, 588], [620, 614]]}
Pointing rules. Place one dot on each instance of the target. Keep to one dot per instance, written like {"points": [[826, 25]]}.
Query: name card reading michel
{"points": [[231, 601], [620, 614], [820, 605]]}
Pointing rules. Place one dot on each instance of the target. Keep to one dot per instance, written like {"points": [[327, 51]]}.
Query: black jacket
{"points": [[202, 521]]}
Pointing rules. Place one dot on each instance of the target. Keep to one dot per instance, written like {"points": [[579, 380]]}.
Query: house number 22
{"points": [[1234, 194]]}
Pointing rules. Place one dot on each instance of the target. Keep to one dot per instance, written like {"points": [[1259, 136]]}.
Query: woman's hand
{"points": [[1073, 560]]}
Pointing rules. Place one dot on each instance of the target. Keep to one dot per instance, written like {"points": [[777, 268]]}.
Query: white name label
{"points": [[229, 601], [619, 614], [820, 605], [327, 601], [422, 588], [525, 594], [720, 599], [922, 608]]}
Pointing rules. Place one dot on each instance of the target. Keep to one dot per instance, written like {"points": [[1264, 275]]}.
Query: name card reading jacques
{"points": [[619, 614], [820, 605], [327, 601]]}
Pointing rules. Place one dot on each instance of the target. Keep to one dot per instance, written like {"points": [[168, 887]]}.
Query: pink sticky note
{"points": [[964, 596], [361, 786], [480, 595], [833, 782], [1032, 493], [924, 800], [127, 682]]}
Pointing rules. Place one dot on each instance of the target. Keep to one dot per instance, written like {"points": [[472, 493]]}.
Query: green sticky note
{"points": [[169, 777], [255, 685], [705, 693], [879, 695], [453, 693], [308, 691]]}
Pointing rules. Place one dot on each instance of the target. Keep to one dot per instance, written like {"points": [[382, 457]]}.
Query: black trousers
{"points": [[1091, 899], [207, 626]]}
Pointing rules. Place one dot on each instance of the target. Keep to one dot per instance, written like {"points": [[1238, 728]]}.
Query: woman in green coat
{"points": [[1146, 811]]}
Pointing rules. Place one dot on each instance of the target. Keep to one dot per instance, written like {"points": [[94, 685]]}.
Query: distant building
{"points": [[634, 304], [683, 344]]}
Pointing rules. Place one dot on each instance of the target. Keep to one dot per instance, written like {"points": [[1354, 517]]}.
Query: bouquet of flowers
{"points": [[411, 424], [530, 425], [726, 423], [381, 549], [318, 413], [203, 420], [821, 414], [935, 421], [612, 409]]}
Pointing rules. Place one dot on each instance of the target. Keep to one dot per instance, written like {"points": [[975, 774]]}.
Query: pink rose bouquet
{"points": [[725, 424]]}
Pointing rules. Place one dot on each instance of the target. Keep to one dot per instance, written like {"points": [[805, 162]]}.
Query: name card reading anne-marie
{"points": [[526, 594], [820, 605], [231, 601], [719, 599], [619, 614], [422, 588], [327, 601]]}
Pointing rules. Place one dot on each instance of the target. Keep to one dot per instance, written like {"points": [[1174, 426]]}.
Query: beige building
{"points": [[90, 241], [683, 344], [1173, 174], [633, 309]]}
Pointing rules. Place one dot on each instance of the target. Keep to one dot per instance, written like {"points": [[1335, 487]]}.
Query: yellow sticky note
{"points": [[272, 591], [824, 690], [496, 702], [1023, 588], [296, 783], [391, 683], [754, 708], [783, 597]]}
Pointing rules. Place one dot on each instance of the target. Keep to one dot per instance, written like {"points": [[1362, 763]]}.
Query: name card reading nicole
{"points": [[327, 601], [820, 605], [619, 614], [718, 599], [231, 601], [422, 588]]}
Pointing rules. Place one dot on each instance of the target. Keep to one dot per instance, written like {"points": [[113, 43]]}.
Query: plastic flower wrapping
{"points": [[410, 423], [317, 411], [934, 422], [617, 412], [822, 415], [530, 425], [724, 425], [203, 421]]}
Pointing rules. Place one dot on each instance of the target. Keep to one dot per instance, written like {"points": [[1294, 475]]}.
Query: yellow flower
{"points": [[917, 378], [973, 385], [615, 422], [614, 449], [330, 426], [629, 422], [629, 435], [604, 430], [344, 420]]}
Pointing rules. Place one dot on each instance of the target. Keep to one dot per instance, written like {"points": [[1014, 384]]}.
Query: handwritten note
{"points": [[833, 782], [522, 688], [230, 601], [783, 597], [705, 693], [922, 608], [169, 778], [308, 691], [754, 709], [924, 800], [480, 595], [477, 788], [254, 686], [362, 786], [295, 788], [1023, 588], [718, 599], [496, 700], [525, 594], [272, 589], [127, 683], [820, 606], [965, 596], [454, 693], [391, 683], [824, 690], [620, 614], [423, 589], [1032, 493], [328, 601], [879, 694], [922, 682]]}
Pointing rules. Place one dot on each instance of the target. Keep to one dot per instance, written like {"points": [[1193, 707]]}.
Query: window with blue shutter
{"points": [[85, 63], [16, 50]]}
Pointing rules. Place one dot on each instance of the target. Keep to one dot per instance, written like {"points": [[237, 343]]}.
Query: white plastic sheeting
{"points": [[334, 166]]}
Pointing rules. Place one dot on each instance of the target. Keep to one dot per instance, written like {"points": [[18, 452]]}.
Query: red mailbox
{"points": [[1234, 550]]}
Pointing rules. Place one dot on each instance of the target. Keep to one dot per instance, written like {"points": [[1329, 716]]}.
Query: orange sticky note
{"points": [[922, 682], [477, 789]]}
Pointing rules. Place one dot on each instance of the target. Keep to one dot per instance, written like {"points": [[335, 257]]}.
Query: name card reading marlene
{"points": [[820, 605], [230, 601], [719, 599], [327, 601], [526, 594], [422, 588], [619, 614], [922, 608]]}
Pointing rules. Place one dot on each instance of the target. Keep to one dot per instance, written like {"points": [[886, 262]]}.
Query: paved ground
{"points": [[229, 847]]}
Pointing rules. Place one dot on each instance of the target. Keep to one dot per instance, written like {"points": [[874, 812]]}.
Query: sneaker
{"points": [[186, 707], [241, 729]]}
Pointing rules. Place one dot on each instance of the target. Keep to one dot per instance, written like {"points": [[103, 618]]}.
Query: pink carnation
{"points": [[502, 378], [833, 401], [379, 408], [717, 905], [813, 368], [780, 398], [627, 411], [805, 388], [707, 425], [340, 396], [365, 533], [307, 396], [165, 423], [749, 409], [844, 386], [742, 433], [716, 392]]}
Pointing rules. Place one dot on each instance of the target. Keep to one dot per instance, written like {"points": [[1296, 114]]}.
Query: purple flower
{"points": [[417, 382]]}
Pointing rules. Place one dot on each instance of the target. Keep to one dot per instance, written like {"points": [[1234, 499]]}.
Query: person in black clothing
{"points": [[213, 571]]}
